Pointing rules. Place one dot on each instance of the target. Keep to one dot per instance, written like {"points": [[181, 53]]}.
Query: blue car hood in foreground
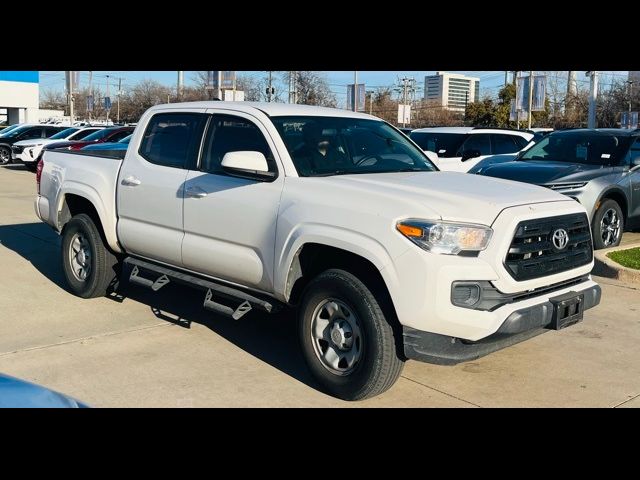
{"points": [[16, 393]]}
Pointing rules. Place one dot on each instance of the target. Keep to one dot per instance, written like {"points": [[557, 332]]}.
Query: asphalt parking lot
{"points": [[152, 350]]}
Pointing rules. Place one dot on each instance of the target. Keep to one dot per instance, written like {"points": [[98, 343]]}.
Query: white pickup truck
{"points": [[265, 206]]}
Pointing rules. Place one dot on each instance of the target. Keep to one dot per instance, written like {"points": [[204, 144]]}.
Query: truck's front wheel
{"points": [[346, 340], [89, 267]]}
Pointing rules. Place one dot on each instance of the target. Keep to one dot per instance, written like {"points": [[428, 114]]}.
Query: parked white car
{"points": [[27, 151], [458, 149], [334, 213]]}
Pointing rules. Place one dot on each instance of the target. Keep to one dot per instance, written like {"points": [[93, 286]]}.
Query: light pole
{"points": [[630, 82], [593, 96]]}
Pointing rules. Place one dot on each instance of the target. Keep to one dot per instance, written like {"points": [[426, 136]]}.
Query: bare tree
{"points": [[53, 100], [311, 88]]}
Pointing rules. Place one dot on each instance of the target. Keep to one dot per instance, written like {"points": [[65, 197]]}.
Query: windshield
{"points": [[579, 147], [321, 146], [99, 135], [446, 145], [126, 139], [8, 129], [64, 133], [82, 133], [17, 131]]}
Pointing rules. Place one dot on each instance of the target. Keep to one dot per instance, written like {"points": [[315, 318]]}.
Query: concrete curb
{"points": [[605, 267]]}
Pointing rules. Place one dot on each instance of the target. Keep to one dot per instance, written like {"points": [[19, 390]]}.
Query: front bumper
{"points": [[25, 156], [520, 325]]}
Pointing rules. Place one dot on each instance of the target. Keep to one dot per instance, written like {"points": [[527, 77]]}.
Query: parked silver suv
{"points": [[599, 168]]}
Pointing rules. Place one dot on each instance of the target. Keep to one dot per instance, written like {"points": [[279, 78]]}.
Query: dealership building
{"points": [[19, 97]]}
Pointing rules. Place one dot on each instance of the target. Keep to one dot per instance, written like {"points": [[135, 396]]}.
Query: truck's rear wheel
{"points": [[608, 225], [346, 340], [89, 267]]}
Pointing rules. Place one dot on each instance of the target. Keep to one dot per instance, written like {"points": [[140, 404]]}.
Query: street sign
{"points": [[629, 120], [107, 103], [90, 103], [522, 114], [404, 113], [361, 96], [539, 94]]}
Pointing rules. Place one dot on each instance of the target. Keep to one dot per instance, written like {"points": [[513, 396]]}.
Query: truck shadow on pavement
{"points": [[270, 338]]}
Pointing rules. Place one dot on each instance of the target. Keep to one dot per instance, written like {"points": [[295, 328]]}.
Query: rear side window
{"points": [[505, 144], [479, 142], [173, 139], [228, 133], [81, 134]]}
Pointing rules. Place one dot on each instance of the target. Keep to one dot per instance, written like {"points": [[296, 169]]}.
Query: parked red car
{"points": [[112, 134]]}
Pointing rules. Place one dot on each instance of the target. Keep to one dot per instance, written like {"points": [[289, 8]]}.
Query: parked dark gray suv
{"points": [[599, 168]]}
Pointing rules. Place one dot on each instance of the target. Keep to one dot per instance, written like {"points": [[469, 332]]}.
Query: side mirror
{"points": [[433, 156], [469, 154], [635, 164], [247, 164]]}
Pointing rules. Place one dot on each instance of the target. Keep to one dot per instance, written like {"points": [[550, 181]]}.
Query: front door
{"points": [[151, 184], [230, 222]]}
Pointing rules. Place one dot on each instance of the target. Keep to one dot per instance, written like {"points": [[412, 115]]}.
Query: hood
{"points": [[540, 173], [451, 195]]}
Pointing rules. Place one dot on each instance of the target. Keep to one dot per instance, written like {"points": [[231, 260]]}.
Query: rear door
{"points": [[151, 185], [230, 222]]}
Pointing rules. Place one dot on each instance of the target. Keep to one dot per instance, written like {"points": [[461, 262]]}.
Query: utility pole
{"points": [[292, 88], [516, 104], [180, 85], [630, 83], [505, 77], [404, 101], [269, 88], [118, 97], [234, 86], [91, 95], [593, 96], [355, 91], [109, 97], [530, 97], [69, 79], [370, 102], [572, 91]]}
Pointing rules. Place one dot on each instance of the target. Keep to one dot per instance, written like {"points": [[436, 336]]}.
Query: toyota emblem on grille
{"points": [[560, 238]]}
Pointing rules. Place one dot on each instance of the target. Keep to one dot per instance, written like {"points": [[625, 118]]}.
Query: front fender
{"points": [[348, 240]]}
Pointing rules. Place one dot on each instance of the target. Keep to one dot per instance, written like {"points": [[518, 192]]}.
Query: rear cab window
{"points": [[173, 139]]}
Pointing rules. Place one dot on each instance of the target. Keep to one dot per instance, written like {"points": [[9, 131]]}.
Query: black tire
{"points": [[5, 155], [103, 264], [598, 233], [379, 365]]}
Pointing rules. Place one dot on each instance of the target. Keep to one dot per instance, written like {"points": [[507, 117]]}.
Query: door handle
{"points": [[130, 181], [195, 192]]}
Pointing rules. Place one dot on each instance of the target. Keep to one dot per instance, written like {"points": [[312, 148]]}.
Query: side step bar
{"points": [[165, 275]]}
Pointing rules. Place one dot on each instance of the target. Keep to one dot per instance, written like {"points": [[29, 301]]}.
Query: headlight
{"points": [[444, 237]]}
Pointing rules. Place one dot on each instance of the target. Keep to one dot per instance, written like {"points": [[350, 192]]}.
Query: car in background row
{"points": [[24, 132], [109, 134], [600, 168], [27, 151], [458, 149], [119, 146], [406, 130]]}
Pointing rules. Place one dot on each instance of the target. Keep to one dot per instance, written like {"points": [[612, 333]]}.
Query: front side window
{"points": [[446, 145], [228, 133], [479, 142], [504, 144], [322, 146], [579, 147], [173, 139], [49, 131], [31, 133]]}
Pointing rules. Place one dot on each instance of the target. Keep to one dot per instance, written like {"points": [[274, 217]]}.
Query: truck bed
{"points": [[92, 175]]}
